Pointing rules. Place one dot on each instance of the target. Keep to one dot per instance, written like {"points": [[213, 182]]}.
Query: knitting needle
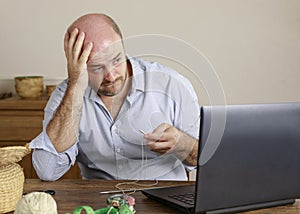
{"points": [[118, 191], [129, 190], [142, 131]]}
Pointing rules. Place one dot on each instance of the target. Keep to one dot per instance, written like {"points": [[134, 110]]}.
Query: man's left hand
{"points": [[167, 139]]}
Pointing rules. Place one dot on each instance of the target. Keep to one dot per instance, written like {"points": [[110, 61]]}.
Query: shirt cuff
{"points": [[43, 142], [189, 168]]}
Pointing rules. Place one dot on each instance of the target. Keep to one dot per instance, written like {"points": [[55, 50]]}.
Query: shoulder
{"points": [[151, 66], [160, 77]]}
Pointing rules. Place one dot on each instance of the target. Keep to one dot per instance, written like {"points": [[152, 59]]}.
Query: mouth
{"points": [[110, 83], [107, 84]]}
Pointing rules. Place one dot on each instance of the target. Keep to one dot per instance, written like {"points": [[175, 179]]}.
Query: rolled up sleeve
{"points": [[48, 164]]}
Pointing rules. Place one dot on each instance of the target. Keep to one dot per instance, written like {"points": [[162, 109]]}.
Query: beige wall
{"points": [[253, 45]]}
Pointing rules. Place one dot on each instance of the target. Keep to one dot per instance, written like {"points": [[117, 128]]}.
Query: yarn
{"points": [[36, 203]]}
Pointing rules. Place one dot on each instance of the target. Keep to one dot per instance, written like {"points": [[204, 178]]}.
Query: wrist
{"points": [[188, 149], [74, 96]]}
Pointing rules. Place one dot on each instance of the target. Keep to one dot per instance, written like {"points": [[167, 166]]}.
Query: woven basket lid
{"points": [[13, 154]]}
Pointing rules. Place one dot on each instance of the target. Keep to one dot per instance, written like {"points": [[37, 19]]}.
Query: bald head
{"points": [[99, 29]]}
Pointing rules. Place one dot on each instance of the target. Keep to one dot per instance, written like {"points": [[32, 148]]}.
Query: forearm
{"points": [[63, 128]]}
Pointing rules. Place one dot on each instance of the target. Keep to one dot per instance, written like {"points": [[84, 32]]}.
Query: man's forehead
{"points": [[108, 52]]}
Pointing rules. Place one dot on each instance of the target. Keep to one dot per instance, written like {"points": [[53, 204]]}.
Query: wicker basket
{"points": [[11, 176]]}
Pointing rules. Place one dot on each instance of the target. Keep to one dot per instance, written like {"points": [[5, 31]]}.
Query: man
{"points": [[119, 117]]}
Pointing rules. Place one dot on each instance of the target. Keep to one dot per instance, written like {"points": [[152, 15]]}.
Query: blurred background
{"points": [[252, 45]]}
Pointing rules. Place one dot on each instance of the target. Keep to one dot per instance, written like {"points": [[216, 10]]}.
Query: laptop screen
{"points": [[249, 156]]}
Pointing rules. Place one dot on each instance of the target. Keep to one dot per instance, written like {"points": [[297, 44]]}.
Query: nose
{"points": [[111, 74]]}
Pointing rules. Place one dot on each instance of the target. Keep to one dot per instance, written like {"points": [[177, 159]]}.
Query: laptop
{"points": [[249, 158]]}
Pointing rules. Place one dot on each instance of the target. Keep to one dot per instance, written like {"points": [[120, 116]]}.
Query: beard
{"points": [[110, 89]]}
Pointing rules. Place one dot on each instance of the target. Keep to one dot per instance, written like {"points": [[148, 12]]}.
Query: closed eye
{"points": [[117, 61], [95, 68]]}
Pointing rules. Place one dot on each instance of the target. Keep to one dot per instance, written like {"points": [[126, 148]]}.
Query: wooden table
{"points": [[70, 193]]}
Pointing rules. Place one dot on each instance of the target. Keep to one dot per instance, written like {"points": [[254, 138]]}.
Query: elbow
{"points": [[46, 166], [45, 173], [46, 177]]}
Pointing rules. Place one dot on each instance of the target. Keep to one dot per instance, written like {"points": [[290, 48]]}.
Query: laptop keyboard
{"points": [[188, 198]]}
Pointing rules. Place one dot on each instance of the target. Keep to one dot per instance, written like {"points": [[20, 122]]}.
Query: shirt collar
{"points": [[138, 74]]}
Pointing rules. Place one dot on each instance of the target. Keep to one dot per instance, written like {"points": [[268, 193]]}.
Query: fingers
{"points": [[163, 139], [66, 39], [77, 47], [160, 147], [157, 134], [69, 41], [86, 52], [77, 56], [73, 46]]}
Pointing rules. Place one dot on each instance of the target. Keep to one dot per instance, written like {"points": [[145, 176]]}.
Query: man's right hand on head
{"points": [[77, 56]]}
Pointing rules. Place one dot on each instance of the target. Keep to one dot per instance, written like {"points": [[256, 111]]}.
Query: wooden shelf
{"points": [[18, 103]]}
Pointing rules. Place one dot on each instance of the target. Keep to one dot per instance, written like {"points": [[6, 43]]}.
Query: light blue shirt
{"points": [[116, 149]]}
